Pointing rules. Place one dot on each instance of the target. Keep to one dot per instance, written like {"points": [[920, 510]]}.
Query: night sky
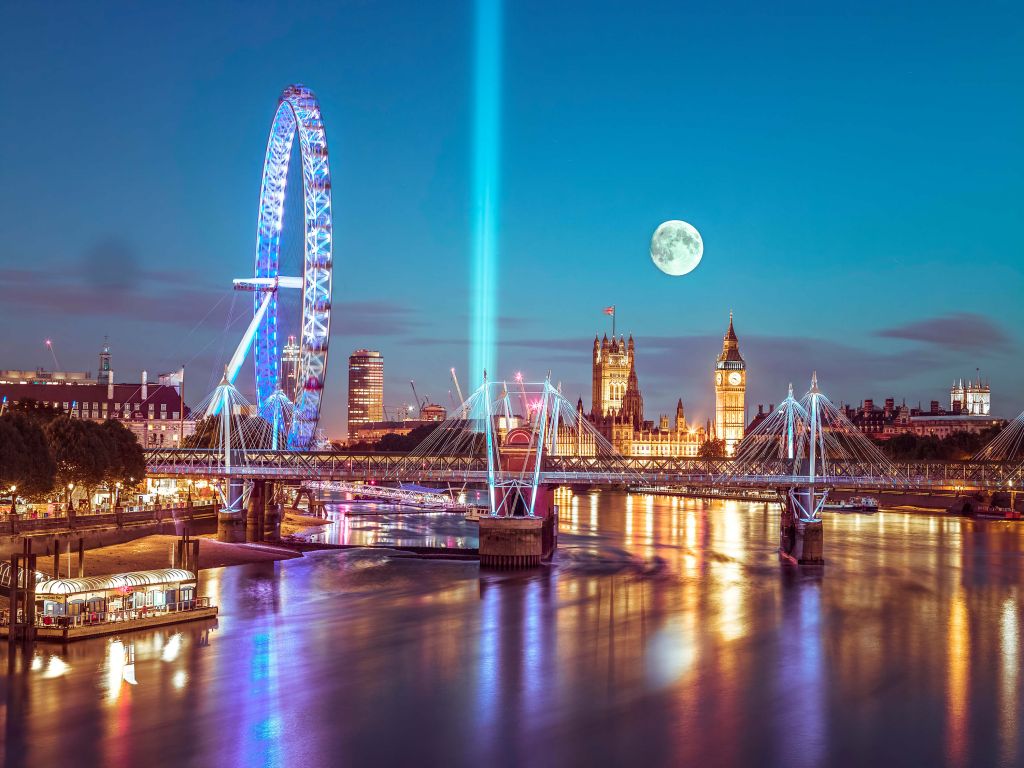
{"points": [[856, 173]]}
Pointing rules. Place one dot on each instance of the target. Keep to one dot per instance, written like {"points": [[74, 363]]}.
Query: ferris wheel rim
{"points": [[297, 114]]}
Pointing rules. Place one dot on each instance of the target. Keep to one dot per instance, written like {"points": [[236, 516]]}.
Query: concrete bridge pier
{"points": [[273, 512], [515, 540], [232, 518], [801, 539], [257, 511]]}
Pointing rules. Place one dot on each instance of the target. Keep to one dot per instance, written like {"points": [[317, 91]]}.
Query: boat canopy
{"points": [[159, 577], [5, 574]]}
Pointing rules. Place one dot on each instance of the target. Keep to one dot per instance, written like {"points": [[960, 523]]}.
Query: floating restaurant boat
{"points": [[866, 504], [996, 513], [74, 609]]}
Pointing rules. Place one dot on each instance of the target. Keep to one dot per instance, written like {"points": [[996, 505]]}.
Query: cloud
{"points": [[958, 330], [108, 280], [69, 295], [112, 265]]}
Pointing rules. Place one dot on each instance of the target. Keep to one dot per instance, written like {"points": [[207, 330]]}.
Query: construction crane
{"points": [[416, 397], [458, 389]]}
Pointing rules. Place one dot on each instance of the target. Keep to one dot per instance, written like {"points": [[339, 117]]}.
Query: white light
{"points": [[173, 647], [55, 667]]}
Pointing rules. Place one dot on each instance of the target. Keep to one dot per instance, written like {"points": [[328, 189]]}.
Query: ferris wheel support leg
{"points": [[242, 351]]}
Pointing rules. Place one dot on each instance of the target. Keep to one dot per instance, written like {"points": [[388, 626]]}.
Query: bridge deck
{"points": [[302, 466]]}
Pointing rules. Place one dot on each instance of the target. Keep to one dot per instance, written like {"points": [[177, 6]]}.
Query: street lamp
{"points": [[14, 505], [71, 492]]}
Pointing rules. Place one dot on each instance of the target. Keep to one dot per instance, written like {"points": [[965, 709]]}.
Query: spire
{"points": [[730, 346], [632, 400]]}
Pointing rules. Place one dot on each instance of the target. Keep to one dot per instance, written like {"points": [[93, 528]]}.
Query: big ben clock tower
{"points": [[730, 392]]}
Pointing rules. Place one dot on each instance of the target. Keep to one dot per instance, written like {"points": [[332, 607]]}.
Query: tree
{"points": [[711, 449], [958, 446], [127, 460], [80, 451], [393, 442], [41, 413], [25, 459]]}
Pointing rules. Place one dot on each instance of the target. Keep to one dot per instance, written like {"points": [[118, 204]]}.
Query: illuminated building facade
{"points": [[365, 388], [154, 412], [730, 392], [617, 408], [973, 398], [612, 362], [290, 358]]}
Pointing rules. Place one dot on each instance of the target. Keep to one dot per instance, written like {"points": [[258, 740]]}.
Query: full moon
{"points": [[676, 248]]}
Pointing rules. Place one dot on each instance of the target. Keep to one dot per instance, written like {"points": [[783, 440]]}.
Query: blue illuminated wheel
{"points": [[298, 111]]}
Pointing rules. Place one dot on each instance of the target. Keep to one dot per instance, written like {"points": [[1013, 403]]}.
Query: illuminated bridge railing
{"points": [[305, 465], [572, 470]]}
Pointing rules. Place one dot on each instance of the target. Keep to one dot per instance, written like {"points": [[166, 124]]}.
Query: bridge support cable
{"points": [[228, 427], [810, 442], [1007, 446], [516, 437]]}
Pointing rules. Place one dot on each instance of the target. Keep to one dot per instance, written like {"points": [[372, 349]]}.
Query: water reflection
{"points": [[666, 633], [376, 524], [1009, 682]]}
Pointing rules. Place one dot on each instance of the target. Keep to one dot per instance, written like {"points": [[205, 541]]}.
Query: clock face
{"points": [[735, 378], [718, 378]]}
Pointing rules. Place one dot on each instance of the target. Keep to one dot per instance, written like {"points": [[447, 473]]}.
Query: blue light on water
{"points": [[486, 179]]}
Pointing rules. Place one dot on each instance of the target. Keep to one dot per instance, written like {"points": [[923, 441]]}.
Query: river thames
{"points": [[665, 633]]}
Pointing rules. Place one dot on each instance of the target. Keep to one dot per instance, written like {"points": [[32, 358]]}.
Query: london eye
{"points": [[291, 403]]}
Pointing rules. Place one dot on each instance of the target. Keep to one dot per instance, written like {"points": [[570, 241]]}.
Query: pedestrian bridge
{"points": [[338, 466]]}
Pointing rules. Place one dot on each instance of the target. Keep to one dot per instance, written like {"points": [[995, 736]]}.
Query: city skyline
{"points": [[859, 230], [576, 383]]}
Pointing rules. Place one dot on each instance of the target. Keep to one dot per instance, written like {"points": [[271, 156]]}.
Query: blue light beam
{"points": [[486, 181]]}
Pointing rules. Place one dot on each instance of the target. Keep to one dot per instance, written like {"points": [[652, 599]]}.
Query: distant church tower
{"points": [[613, 362], [730, 392], [104, 374]]}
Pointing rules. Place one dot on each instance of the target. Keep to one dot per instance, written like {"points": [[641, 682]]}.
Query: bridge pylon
{"points": [[512, 428], [817, 446]]}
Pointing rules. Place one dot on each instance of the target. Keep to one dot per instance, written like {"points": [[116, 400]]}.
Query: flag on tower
{"points": [[610, 310]]}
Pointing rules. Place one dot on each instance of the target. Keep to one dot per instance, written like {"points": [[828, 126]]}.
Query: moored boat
{"points": [[865, 504]]}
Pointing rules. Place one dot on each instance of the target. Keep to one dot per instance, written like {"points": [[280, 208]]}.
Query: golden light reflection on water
{"points": [[1009, 681], [660, 648], [958, 649]]}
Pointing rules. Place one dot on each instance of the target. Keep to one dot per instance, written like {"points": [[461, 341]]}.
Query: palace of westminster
{"points": [[617, 407]]}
